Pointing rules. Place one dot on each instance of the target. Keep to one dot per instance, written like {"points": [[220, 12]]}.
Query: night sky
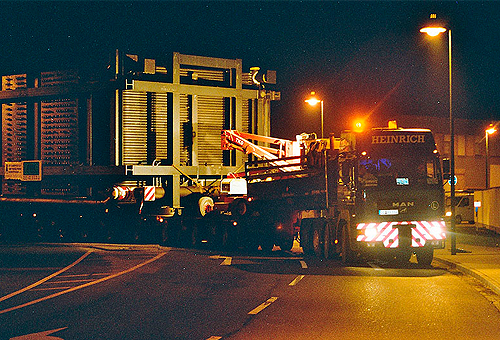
{"points": [[365, 59]]}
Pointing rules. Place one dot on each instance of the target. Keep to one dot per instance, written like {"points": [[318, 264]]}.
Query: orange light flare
{"points": [[359, 126]]}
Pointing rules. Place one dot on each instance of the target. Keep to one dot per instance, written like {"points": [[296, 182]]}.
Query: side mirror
{"points": [[446, 168]]}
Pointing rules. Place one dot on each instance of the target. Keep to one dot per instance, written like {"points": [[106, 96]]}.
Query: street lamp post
{"points": [[434, 31], [313, 101], [491, 130]]}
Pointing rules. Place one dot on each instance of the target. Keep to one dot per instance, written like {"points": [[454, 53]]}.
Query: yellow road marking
{"points": [[83, 286], [226, 262], [296, 280], [262, 306], [8, 296], [50, 288]]}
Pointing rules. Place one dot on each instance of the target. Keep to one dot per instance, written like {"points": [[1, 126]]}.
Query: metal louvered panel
{"points": [[245, 113], [184, 119], [135, 111], [134, 127], [217, 75], [210, 124], [160, 124]]}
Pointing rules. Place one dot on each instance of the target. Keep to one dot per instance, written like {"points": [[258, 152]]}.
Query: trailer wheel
{"points": [[425, 256], [170, 232], [238, 207]]}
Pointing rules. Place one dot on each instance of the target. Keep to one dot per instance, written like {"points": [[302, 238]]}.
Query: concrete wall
{"points": [[488, 215]]}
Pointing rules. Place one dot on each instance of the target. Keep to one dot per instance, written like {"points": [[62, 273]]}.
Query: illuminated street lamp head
{"points": [[434, 27], [313, 100], [433, 31], [491, 130]]}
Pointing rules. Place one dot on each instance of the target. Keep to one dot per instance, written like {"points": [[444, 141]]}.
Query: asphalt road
{"points": [[148, 292]]}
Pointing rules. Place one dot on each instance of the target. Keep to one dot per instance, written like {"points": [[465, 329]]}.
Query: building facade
{"points": [[470, 148]]}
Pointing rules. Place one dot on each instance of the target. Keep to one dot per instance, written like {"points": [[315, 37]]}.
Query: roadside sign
{"points": [[455, 182], [13, 170], [28, 171]]}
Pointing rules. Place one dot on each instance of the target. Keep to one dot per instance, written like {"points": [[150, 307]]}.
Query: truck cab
{"points": [[400, 195]]}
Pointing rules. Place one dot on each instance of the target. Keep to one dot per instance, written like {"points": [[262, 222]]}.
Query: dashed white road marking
{"points": [[214, 338], [303, 264], [262, 306]]}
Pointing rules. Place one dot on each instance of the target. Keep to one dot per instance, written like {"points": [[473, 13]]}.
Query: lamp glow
{"points": [[433, 31]]}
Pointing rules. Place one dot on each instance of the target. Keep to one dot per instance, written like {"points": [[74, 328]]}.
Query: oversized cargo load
{"points": [[136, 138]]}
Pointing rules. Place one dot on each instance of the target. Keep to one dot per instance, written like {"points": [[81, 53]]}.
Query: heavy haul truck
{"points": [[123, 151], [374, 193]]}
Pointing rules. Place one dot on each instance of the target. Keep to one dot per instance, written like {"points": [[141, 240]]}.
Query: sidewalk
{"points": [[480, 262]]}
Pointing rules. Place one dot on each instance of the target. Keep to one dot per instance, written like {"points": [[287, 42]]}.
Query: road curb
{"points": [[483, 278]]}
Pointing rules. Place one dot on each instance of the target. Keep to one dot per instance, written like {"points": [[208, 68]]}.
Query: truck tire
{"points": [[425, 256], [327, 240], [305, 236], [347, 253], [318, 238]]}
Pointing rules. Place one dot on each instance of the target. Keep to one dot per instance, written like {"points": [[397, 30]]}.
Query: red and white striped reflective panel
{"points": [[426, 231], [149, 194], [388, 234], [120, 192]]}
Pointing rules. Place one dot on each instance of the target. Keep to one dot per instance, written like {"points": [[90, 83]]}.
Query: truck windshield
{"points": [[400, 170]]}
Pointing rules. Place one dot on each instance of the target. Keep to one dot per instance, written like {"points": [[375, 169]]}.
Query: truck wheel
{"points": [[327, 241], [305, 236], [317, 239], [347, 253], [425, 256]]}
